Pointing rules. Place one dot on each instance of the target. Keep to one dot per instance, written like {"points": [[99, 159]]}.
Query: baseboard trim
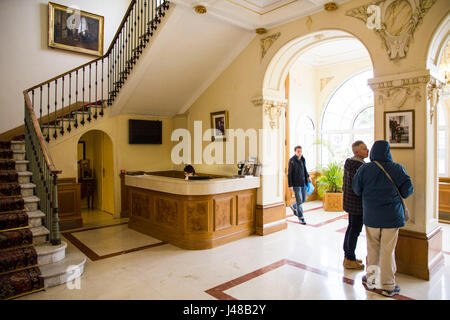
{"points": [[419, 254]]}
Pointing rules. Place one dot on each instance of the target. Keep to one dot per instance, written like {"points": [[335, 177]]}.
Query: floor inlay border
{"points": [[218, 292], [321, 224], [91, 254]]}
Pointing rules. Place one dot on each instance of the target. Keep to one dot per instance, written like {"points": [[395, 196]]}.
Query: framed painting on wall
{"points": [[75, 30], [219, 123], [399, 129]]}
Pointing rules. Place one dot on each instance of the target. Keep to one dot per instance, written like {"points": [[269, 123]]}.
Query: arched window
{"points": [[348, 116], [305, 135], [442, 142]]}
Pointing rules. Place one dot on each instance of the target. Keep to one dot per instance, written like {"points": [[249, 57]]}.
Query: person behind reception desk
{"points": [[189, 171]]}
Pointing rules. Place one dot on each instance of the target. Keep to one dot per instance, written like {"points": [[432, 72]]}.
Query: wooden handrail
{"points": [[113, 42], [37, 129]]}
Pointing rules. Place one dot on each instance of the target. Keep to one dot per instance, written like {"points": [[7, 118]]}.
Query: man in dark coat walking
{"points": [[383, 213], [298, 179], [353, 206]]}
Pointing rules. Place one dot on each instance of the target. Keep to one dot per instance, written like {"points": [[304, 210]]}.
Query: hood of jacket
{"points": [[381, 151]]}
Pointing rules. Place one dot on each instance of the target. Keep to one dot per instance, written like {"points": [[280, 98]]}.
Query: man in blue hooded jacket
{"points": [[383, 213]]}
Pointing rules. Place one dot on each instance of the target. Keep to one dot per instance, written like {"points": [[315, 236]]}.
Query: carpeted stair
{"points": [[19, 271], [28, 262]]}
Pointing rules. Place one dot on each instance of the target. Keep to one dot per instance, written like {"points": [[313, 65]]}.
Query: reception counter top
{"points": [[191, 187], [191, 214]]}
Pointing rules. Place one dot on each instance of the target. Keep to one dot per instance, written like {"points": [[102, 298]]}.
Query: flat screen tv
{"points": [[145, 132]]}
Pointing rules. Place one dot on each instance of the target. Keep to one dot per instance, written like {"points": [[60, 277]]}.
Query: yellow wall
{"points": [[26, 59], [64, 150]]}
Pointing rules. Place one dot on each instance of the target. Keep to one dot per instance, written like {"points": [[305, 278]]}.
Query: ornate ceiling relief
{"points": [[267, 42], [272, 109], [395, 21]]}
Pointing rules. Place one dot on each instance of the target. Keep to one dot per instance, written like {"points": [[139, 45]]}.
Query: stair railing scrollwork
{"points": [[88, 89]]}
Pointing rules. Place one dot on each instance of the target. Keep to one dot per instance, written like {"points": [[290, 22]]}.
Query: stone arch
{"points": [[285, 57], [437, 45]]}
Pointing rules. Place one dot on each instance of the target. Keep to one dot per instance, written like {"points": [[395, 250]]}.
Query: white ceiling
{"points": [[334, 52], [188, 54], [252, 14]]}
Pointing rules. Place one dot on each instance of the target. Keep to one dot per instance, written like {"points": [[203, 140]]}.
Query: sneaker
{"points": [[293, 210], [391, 293], [302, 221], [353, 264], [369, 285]]}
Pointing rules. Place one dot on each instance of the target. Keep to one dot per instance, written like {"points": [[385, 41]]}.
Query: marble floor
{"points": [[301, 262], [96, 218]]}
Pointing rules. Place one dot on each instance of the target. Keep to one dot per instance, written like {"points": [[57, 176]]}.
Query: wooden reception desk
{"points": [[199, 214]]}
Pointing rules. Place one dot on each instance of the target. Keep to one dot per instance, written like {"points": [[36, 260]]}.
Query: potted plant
{"points": [[329, 186]]}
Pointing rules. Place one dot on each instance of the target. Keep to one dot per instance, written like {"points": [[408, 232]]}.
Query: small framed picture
{"points": [[399, 129], [75, 30], [219, 123]]}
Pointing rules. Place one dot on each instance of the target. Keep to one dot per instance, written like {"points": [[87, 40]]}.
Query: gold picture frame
{"points": [[219, 123], [75, 30]]}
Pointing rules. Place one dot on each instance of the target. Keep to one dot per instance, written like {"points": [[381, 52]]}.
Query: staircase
{"points": [[28, 262], [32, 256]]}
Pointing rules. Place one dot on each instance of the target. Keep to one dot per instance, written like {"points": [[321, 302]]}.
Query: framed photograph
{"points": [[75, 30], [219, 122], [399, 129]]}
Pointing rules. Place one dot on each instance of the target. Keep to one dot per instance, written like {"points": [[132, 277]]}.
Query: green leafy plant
{"points": [[331, 180]]}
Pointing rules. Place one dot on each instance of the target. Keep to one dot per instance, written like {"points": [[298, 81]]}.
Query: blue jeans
{"points": [[300, 197], [355, 223]]}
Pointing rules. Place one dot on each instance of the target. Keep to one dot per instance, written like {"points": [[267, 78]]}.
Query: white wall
{"points": [[26, 59]]}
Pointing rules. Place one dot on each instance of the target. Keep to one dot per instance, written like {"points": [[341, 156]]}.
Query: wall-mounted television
{"points": [[145, 132]]}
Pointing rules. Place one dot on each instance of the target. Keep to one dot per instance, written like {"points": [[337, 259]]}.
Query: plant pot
{"points": [[333, 202]]}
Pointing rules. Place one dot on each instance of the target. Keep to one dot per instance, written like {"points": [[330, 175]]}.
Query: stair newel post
{"points": [[69, 128], [90, 96], [40, 108], [55, 236], [103, 93], [82, 108], [96, 89], [62, 107], [55, 133], [47, 138], [76, 99]]}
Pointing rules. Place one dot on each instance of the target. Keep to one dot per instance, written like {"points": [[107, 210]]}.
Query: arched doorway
{"points": [[96, 175], [326, 76]]}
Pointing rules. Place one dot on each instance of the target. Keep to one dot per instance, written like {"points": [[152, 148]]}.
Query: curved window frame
{"points": [[347, 131]]}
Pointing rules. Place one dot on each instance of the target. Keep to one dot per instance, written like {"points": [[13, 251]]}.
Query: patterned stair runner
{"points": [[19, 270]]}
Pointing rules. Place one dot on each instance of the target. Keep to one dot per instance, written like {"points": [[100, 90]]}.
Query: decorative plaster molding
{"points": [[273, 109], [324, 82], [398, 20], [418, 79], [308, 23], [267, 42], [434, 91], [393, 93]]}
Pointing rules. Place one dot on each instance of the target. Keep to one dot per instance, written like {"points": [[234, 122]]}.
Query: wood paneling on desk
{"points": [[192, 222]]}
